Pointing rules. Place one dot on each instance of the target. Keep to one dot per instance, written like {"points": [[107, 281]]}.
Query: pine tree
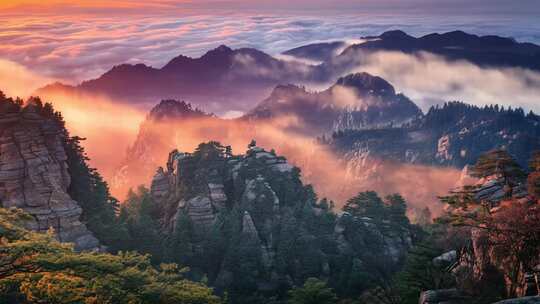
{"points": [[140, 215], [397, 210], [367, 204], [499, 163], [88, 188], [36, 268], [313, 291]]}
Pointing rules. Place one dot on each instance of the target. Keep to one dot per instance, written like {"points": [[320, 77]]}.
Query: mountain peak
{"points": [[286, 91], [220, 51], [223, 48], [173, 109], [366, 83], [395, 34]]}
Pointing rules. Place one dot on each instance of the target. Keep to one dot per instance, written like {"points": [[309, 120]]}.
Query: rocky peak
{"points": [[255, 206], [174, 109], [34, 174], [286, 91], [221, 55], [220, 50]]}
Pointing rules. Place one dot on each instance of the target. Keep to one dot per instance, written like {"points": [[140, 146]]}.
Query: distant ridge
{"points": [[493, 51], [238, 78]]}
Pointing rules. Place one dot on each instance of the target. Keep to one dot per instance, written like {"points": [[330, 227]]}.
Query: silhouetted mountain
{"points": [[492, 51], [317, 51], [481, 50], [220, 76], [356, 101], [238, 78]]}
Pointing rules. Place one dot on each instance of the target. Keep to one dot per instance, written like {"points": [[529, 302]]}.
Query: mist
{"points": [[18, 80], [429, 80], [326, 171], [107, 127]]}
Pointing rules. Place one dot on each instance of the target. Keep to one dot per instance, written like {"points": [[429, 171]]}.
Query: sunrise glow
{"points": [[269, 151]]}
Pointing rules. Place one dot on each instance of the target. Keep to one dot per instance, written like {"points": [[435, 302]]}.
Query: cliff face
{"points": [[34, 174], [250, 224]]}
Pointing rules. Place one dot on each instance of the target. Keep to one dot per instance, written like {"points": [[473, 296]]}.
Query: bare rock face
{"points": [[34, 176], [199, 210]]}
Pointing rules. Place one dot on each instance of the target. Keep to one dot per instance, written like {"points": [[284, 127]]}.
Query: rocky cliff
{"points": [[497, 219], [34, 174], [251, 224]]}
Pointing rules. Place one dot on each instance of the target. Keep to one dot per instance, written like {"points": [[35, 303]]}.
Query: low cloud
{"points": [[330, 176], [109, 127], [429, 79]]}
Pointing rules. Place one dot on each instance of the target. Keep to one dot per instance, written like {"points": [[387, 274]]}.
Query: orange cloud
{"points": [[14, 4], [17, 80], [109, 127]]}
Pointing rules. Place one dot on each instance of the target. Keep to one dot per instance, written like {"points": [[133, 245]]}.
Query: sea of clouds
{"points": [[74, 47]]}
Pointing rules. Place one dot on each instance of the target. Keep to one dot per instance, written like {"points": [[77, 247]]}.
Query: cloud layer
{"points": [[74, 47], [429, 80]]}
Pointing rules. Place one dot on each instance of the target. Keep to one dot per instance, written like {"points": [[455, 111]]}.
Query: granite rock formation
{"points": [[261, 226], [34, 174]]}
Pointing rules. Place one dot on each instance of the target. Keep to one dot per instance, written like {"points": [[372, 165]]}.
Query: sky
{"points": [[480, 6]]}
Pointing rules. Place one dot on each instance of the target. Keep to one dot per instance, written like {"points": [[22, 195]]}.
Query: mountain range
{"points": [[360, 118], [490, 51], [240, 78], [233, 75], [355, 101]]}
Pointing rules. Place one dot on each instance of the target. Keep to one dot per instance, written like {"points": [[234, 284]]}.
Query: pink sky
{"points": [[154, 6]]}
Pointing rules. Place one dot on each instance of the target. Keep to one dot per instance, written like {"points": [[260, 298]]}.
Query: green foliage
{"points": [[397, 210], [420, 273], [393, 210], [140, 215], [209, 151], [92, 193], [35, 268], [314, 291], [366, 204], [179, 246], [497, 162]]}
